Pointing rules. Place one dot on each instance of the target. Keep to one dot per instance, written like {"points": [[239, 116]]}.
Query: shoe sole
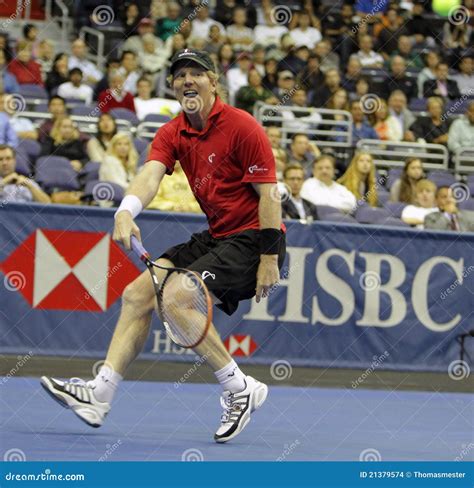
{"points": [[260, 395], [61, 399]]}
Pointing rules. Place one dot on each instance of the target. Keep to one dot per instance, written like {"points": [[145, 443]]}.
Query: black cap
{"points": [[199, 57]]}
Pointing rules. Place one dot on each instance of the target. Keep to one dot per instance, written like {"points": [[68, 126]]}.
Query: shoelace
{"points": [[232, 406]]}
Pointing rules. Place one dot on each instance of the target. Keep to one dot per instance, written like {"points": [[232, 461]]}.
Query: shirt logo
{"points": [[255, 169], [206, 274], [211, 157]]}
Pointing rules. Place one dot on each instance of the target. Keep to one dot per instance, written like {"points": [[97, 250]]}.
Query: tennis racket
{"points": [[184, 302]]}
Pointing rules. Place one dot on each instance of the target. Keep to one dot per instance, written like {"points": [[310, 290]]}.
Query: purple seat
{"points": [[23, 163], [156, 118], [441, 178], [103, 191], [32, 148], [395, 208], [85, 110], [371, 215], [33, 91], [337, 217], [458, 106], [467, 204], [125, 114], [393, 175], [55, 172], [394, 222], [383, 196], [325, 210], [417, 104], [90, 172], [141, 145]]}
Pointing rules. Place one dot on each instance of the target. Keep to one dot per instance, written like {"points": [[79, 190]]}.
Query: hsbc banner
{"points": [[349, 295]]}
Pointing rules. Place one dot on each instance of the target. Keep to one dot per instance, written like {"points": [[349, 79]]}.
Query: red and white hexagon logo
{"points": [[69, 270]]}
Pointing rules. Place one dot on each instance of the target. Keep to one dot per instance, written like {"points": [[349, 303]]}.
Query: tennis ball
{"points": [[443, 7]]}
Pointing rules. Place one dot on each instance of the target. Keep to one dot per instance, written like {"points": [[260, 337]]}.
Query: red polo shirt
{"points": [[220, 162]]}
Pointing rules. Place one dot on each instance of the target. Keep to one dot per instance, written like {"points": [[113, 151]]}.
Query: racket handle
{"points": [[138, 249]]}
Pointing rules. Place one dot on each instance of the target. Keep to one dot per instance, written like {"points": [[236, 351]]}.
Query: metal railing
{"points": [[99, 58], [392, 154], [319, 125], [65, 20], [464, 160], [147, 130]]}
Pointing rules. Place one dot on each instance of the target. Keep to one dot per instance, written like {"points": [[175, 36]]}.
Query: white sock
{"points": [[231, 377], [105, 384]]}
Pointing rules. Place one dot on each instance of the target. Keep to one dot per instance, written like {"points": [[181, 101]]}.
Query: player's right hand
{"points": [[124, 228]]}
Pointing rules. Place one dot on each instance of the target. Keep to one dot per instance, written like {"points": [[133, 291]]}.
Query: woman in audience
{"points": [[360, 178], [432, 60], [425, 191], [434, 128], [339, 100], [59, 74], [270, 80], [403, 189], [225, 58], [64, 141], [120, 163], [387, 126], [97, 146]]}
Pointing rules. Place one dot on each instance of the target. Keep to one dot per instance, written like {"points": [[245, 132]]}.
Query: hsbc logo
{"points": [[240, 345], [68, 270]]}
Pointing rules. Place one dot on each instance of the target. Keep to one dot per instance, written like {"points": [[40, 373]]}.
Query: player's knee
{"points": [[139, 295]]}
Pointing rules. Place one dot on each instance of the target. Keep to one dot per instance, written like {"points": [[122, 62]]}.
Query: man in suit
{"points": [[449, 216], [293, 206], [441, 86]]}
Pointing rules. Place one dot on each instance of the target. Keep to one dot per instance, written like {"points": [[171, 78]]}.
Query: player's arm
{"points": [[140, 193], [269, 213]]}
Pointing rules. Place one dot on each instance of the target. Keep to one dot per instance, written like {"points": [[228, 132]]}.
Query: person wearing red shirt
{"points": [[115, 96], [229, 163], [25, 69]]}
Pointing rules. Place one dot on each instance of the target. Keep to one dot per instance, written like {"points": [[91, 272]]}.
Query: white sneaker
{"points": [[77, 395], [238, 407]]}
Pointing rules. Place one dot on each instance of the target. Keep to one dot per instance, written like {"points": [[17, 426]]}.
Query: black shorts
{"points": [[228, 265]]}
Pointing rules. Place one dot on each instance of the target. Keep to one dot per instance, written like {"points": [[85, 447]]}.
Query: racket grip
{"points": [[138, 249]]}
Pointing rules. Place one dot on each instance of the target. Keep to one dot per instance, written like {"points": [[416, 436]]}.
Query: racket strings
{"points": [[185, 308]]}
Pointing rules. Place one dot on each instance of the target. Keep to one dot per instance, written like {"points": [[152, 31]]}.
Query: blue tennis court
{"points": [[161, 421]]}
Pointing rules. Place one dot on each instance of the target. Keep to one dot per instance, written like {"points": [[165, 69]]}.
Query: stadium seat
{"points": [[141, 145], [467, 204], [393, 175], [103, 191], [395, 208], [124, 113], [42, 107], [337, 217], [32, 148], [157, 118], [33, 91], [56, 173], [325, 210], [383, 197], [89, 172], [85, 111], [441, 178], [394, 222], [458, 106], [72, 102], [371, 215], [470, 184], [417, 104], [23, 162]]}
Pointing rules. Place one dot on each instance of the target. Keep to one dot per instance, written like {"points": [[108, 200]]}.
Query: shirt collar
{"points": [[215, 111]]}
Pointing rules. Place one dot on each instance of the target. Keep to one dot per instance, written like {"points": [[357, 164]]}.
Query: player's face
{"points": [[294, 180], [7, 162], [193, 87]]}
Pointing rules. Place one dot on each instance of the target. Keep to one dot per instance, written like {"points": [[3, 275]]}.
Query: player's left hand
{"points": [[268, 275]]}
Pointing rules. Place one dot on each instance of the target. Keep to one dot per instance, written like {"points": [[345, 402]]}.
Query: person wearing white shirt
{"points": [[238, 33], [78, 59], [465, 77], [323, 190], [202, 23], [269, 34], [367, 56], [304, 34], [74, 88], [128, 68], [145, 104], [238, 77], [425, 197]]}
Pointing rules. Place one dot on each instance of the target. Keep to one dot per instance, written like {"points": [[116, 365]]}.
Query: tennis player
{"points": [[230, 166]]}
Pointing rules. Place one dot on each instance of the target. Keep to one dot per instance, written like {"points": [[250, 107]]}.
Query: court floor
{"points": [[166, 421]]}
